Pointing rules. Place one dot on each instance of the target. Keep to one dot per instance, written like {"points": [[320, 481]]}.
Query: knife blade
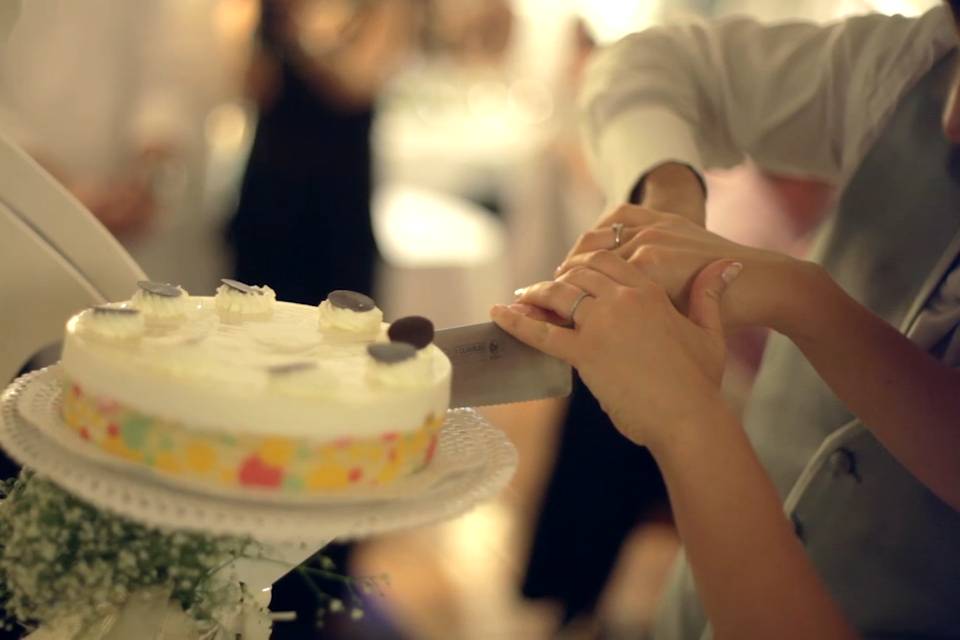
{"points": [[492, 367]]}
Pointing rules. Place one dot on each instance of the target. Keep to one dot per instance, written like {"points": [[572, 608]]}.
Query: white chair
{"points": [[443, 257], [55, 259]]}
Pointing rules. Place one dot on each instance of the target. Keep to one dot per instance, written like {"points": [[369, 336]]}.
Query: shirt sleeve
{"points": [[798, 98]]}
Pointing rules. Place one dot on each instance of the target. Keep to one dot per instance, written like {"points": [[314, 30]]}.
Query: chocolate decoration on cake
{"points": [[391, 352], [164, 289], [414, 330], [236, 285], [343, 299], [291, 367], [118, 311]]}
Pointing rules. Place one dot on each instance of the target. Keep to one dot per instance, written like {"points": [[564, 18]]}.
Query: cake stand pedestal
{"points": [[473, 462]]}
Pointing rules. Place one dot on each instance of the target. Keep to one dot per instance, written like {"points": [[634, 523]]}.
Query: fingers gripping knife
{"points": [[55, 259]]}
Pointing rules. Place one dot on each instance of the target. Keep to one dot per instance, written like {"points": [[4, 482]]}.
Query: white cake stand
{"points": [[473, 462]]}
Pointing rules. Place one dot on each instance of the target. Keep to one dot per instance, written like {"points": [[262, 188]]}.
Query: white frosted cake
{"points": [[240, 391]]}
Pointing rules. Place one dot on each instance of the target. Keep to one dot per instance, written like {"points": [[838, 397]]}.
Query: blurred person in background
{"points": [[302, 224], [473, 32], [114, 99]]}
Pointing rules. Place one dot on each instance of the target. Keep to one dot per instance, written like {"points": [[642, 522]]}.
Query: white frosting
{"points": [[315, 382], [235, 306], [116, 327], [361, 324], [295, 341], [156, 308], [216, 376], [413, 373]]}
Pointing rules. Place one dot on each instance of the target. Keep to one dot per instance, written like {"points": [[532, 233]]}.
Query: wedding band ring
{"points": [[617, 234], [576, 304]]}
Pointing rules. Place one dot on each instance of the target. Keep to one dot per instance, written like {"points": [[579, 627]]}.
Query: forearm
{"points": [[752, 574], [908, 399]]}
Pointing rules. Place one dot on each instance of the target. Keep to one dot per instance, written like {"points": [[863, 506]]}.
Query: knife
{"points": [[492, 367]]}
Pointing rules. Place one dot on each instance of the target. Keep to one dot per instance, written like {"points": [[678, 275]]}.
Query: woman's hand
{"points": [[653, 370], [670, 250], [657, 374]]}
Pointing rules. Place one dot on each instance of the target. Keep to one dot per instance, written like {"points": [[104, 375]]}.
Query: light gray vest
{"points": [[888, 549]]}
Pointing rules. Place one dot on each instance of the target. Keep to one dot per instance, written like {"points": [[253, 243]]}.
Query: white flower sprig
{"points": [[321, 569], [61, 558]]}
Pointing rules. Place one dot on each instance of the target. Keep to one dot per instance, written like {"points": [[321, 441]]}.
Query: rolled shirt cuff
{"points": [[637, 141]]}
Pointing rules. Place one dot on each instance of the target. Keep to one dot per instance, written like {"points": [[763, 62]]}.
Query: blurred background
{"points": [[425, 151]]}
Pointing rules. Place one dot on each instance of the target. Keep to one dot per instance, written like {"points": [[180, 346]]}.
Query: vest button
{"points": [[844, 463]]}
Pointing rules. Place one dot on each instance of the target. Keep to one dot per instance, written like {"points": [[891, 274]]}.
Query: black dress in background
{"points": [[302, 224], [602, 485], [303, 227]]}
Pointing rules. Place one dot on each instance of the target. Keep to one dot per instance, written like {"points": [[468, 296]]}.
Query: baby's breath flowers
{"points": [[69, 565], [320, 571], [62, 559]]}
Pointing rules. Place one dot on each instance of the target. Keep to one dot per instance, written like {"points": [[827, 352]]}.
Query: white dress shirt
{"points": [[798, 98]]}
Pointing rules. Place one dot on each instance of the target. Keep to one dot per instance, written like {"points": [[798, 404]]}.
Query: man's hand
{"points": [[670, 250], [669, 187], [664, 240]]}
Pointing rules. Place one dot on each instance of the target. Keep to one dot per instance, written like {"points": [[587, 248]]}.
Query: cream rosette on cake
{"points": [[161, 302], [351, 315], [236, 301], [113, 323]]}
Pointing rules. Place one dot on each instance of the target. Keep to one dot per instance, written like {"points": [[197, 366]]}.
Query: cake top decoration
{"points": [[112, 323], [164, 289], [352, 300], [117, 311], [391, 352], [413, 330], [236, 285], [237, 301]]}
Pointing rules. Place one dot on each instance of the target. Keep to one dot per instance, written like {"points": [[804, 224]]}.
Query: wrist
{"points": [[775, 291], [672, 187], [805, 298], [706, 412]]}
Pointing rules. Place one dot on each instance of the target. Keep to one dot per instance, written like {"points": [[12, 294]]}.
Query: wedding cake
{"points": [[241, 392]]}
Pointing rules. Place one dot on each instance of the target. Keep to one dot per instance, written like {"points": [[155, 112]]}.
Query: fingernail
{"points": [[558, 270], [519, 292], [523, 309], [731, 272]]}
